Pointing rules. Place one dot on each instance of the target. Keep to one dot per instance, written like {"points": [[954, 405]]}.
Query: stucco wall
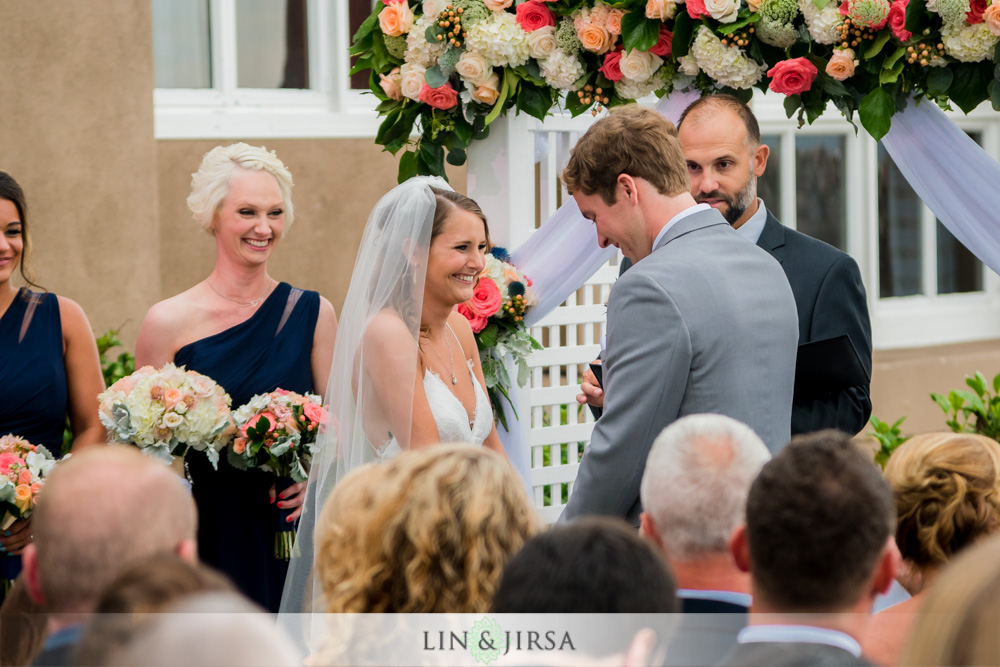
{"points": [[77, 133]]}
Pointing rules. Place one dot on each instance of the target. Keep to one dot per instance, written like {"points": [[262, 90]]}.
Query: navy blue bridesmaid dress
{"points": [[236, 521], [33, 389]]}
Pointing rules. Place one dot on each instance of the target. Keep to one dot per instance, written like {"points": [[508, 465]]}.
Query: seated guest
{"points": [[694, 495], [22, 627], [104, 509], [959, 619], [211, 629], [146, 587], [818, 544], [947, 489], [429, 531]]}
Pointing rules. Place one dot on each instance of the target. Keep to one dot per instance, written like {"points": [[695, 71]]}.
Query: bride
{"points": [[406, 370]]}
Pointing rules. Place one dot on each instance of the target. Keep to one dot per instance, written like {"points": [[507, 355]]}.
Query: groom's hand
{"points": [[592, 392]]}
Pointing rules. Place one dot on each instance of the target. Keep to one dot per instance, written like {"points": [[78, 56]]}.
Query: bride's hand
{"points": [[291, 497]]}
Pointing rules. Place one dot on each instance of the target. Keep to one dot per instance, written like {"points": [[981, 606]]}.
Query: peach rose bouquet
{"points": [[277, 432], [23, 469], [496, 314], [165, 412]]}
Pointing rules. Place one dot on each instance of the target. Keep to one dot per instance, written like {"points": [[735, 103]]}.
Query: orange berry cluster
{"points": [[740, 38], [852, 34], [451, 20], [589, 94], [516, 307], [922, 53]]}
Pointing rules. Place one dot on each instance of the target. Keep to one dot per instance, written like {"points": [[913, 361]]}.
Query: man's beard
{"points": [[737, 204]]}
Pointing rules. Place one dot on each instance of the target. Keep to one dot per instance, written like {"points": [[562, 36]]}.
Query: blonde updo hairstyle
{"points": [[429, 531], [947, 490], [210, 184]]}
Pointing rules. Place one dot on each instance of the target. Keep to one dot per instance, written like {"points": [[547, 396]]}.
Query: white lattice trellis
{"points": [[514, 175]]}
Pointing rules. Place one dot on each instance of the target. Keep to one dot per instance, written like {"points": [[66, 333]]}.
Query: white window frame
{"points": [[329, 109], [897, 322]]}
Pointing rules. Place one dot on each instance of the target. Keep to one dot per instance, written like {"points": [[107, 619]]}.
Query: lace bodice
{"points": [[451, 416]]}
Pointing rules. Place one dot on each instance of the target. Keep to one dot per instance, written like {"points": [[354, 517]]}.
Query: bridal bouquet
{"points": [[496, 314], [165, 412], [23, 469], [453, 66], [277, 432]]}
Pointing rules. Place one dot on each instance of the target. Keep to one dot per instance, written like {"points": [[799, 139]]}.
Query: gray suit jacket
{"points": [[706, 323], [831, 301], [790, 654]]}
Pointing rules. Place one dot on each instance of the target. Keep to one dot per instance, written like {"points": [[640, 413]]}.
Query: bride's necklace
{"points": [[451, 356], [253, 304]]}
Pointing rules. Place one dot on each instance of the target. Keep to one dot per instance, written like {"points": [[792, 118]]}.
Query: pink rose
{"points": [[497, 5], [696, 8], [172, 397], [476, 320], [976, 10], [792, 77], [485, 301], [391, 84], [252, 424], [614, 21], [897, 20], [443, 98], [841, 65], [24, 477], [611, 69], [664, 44], [396, 19], [532, 15], [7, 460], [992, 18], [240, 445], [315, 413]]}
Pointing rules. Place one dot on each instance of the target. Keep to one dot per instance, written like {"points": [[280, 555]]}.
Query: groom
{"points": [[704, 322]]}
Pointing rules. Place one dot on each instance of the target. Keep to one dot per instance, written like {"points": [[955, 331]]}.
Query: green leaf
{"points": [[894, 58], [996, 384], [534, 100], [916, 11], [891, 74], [876, 46], [791, 104], [434, 77], [639, 32], [407, 166], [978, 383], [831, 86], [381, 60], [456, 157], [509, 87], [875, 112], [939, 80], [431, 157], [488, 336], [971, 84], [684, 29], [994, 91], [975, 403], [956, 400], [361, 65], [730, 28], [369, 23]]}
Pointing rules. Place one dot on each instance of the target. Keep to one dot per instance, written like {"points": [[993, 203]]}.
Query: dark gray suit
{"points": [[830, 299], [790, 654], [706, 323]]}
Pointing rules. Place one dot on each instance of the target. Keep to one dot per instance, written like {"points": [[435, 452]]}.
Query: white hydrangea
{"points": [[725, 64], [633, 90], [822, 23], [500, 40], [968, 43], [561, 70], [418, 50]]}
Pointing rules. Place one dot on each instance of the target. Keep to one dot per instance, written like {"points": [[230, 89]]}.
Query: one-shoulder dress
{"points": [[236, 521], [33, 388]]}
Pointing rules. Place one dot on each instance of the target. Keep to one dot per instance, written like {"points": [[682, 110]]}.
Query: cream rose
{"points": [[841, 65], [639, 65], [542, 42], [487, 92], [595, 38], [434, 7], [497, 5], [473, 67], [614, 21], [396, 19], [411, 80], [991, 17], [723, 11], [172, 420], [660, 9], [390, 84]]}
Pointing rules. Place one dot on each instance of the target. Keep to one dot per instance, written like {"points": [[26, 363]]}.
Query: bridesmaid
{"points": [[251, 334], [49, 365]]}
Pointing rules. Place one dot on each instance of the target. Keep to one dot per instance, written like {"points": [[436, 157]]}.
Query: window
{"points": [[258, 68]]}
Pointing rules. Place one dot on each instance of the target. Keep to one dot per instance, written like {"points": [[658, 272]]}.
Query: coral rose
{"points": [[252, 424], [841, 65], [476, 320], [240, 445], [488, 92], [660, 9], [531, 16], [595, 38], [396, 18], [897, 20], [992, 19], [696, 8], [497, 5], [390, 84], [792, 77], [24, 477], [664, 44], [314, 413], [485, 301], [614, 21], [611, 69], [443, 98], [976, 10]]}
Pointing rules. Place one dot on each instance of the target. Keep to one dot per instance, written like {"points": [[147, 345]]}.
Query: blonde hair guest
{"points": [[429, 531], [947, 490]]}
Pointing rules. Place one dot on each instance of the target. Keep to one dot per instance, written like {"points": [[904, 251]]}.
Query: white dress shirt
{"points": [[732, 597], [799, 634], [677, 218], [752, 228]]}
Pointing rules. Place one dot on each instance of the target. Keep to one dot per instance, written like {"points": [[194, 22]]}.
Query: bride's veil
{"points": [[377, 337]]}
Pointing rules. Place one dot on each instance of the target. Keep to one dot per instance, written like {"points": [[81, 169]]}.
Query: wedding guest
{"points": [[947, 489], [104, 509], [818, 546], [684, 334], [959, 619], [251, 334], [22, 627], [694, 494], [427, 532], [50, 368], [146, 587]]}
